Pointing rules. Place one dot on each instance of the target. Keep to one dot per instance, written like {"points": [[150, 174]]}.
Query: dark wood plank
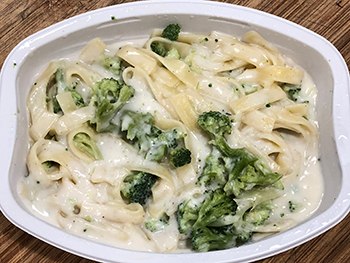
{"points": [[19, 19]]}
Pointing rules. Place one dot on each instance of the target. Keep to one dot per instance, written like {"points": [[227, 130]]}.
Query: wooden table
{"points": [[19, 19]]}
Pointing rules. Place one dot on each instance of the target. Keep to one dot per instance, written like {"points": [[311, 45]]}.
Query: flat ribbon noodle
{"points": [[47, 150]]}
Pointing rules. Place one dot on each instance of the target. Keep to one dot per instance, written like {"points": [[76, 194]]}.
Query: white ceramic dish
{"points": [[136, 20]]}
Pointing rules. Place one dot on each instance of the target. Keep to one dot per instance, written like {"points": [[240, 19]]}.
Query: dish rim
{"points": [[340, 207]]}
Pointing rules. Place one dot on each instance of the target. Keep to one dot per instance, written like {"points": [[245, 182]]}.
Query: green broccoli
{"points": [[259, 214], [292, 91], [173, 54], [251, 199], [214, 207], [171, 32], [169, 137], [243, 232], [214, 173], [252, 209], [239, 187], [187, 215], [247, 174], [78, 99], [221, 221], [51, 93], [58, 85], [257, 217], [60, 80], [138, 128], [50, 166], [218, 238], [210, 238], [215, 123], [161, 142], [156, 144], [62, 86], [159, 48], [137, 187], [109, 96], [112, 64], [293, 206], [51, 99], [247, 170], [180, 157], [196, 214], [163, 51], [86, 145], [155, 225], [250, 87]]}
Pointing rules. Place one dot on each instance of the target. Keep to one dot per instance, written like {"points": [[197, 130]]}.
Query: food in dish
{"points": [[175, 143]]}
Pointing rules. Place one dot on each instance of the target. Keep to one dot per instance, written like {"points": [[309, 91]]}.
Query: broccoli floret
{"points": [[222, 222], [109, 96], [161, 142], [172, 54], [258, 215], [78, 99], [214, 173], [253, 208], [112, 64], [248, 170], [253, 198], [218, 238], [159, 48], [192, 217], [214, 207], [60, 80], [137, 187], [244, 234], [63, 87], [239, 189], [169, 138], [86, 145], [215, 123], [50, 166], [293, 91], [250, 87], [57, 85], [155, 225], [187, 215], [248, 173], [148, 139], [293, 206], [180, 157], [138, 128], [209, 238], [51, 99], [171, 32]]}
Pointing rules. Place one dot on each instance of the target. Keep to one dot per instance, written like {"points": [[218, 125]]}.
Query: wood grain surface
{"points": [[19, 19]]}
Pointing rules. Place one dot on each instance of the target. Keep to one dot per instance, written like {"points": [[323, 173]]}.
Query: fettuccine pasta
{"points": [[82, 150]]}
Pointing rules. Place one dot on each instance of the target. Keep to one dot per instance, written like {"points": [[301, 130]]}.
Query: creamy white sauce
{"points": [[96, 183]]}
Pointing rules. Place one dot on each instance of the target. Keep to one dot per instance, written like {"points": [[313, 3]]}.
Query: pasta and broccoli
{"points": [[182, 142]]}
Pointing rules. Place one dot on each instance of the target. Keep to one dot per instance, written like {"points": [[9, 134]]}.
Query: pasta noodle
{"points": [[83, 151]]}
